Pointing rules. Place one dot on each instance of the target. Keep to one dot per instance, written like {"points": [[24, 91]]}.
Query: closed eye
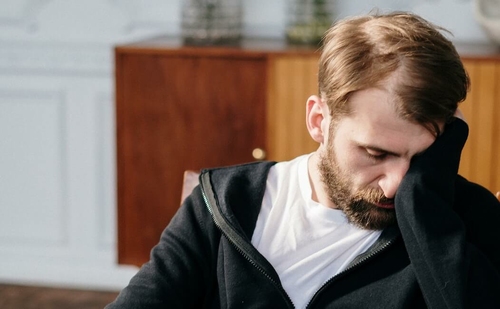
{"points": [[376, 154]]}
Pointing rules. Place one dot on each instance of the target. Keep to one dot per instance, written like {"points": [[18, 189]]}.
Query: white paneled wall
{"points": [[57, 134], [57, 181]]}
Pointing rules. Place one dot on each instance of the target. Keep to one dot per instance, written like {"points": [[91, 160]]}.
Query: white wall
{"points": [[455, 15], [57, 136]]}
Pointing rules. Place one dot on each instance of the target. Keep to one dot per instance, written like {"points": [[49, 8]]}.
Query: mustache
{"points": [[373, 196]]}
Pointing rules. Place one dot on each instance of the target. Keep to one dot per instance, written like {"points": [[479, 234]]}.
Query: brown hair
{"points": [[362, 52]]}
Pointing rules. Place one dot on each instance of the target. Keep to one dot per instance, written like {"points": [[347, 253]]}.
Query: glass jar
{"points": [[211, 22], [307, 20]]}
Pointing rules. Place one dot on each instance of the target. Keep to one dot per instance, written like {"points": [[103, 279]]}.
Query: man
{"points": [[377, 217]]}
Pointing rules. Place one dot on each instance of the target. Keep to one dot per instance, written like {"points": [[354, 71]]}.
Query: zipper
{"points": [[240, 250], [363, 260]]}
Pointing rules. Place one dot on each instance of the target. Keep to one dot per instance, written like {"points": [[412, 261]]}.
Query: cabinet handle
{"points": [[259, 154]]}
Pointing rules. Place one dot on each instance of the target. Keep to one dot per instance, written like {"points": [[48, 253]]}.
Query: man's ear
{"points": [[316, 118]]}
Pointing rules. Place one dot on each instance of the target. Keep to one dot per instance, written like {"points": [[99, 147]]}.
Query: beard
{"points": [[358, 206]]}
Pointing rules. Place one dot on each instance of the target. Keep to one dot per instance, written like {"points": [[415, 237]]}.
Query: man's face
{"points": [[366, 155]]}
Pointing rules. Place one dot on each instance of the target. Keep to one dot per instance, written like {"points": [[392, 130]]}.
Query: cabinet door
{"points": [[480, 157], [292, 79], [178, 112]]}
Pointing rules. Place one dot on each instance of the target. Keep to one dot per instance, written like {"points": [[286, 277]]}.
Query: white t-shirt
{"points": [[306, 242]]}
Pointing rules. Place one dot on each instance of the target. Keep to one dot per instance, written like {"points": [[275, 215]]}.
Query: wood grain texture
{"points": [[479, 161], [495, 164], [176, 113], [292, 80], [40, 297]]}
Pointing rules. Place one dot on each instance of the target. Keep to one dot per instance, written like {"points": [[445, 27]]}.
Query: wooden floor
{"points": [[30, 297]]}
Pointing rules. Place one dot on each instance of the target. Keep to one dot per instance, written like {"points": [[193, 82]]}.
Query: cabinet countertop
{"points": [[266, 46]]}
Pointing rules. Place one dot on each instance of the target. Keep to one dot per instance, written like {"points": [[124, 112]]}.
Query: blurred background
{"points": [[57, 127]]}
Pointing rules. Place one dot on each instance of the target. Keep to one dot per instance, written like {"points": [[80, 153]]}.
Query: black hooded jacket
{"points": [[443, 253]]}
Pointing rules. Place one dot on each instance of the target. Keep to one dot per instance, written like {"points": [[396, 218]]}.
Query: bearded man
{"points": [[377, 217]]}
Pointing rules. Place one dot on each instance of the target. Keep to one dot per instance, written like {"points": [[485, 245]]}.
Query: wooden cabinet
{"points": [[182, 108]]}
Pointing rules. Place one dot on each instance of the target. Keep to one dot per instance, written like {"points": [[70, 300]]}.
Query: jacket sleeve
{"points": [[451, 271], [180, 268]]}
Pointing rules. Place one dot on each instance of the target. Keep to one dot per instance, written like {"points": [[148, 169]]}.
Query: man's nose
{"points": [[394, 173]]}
